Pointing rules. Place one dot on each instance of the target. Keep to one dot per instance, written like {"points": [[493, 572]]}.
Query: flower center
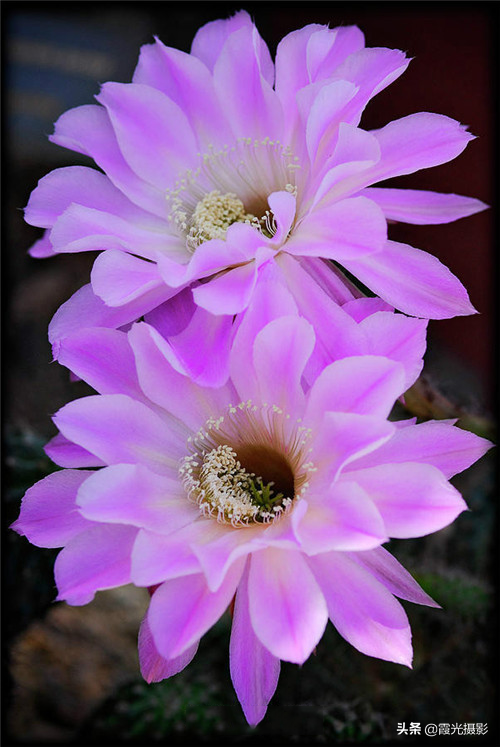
{"points": [[247, 466], [231, 186], [214, 214]]}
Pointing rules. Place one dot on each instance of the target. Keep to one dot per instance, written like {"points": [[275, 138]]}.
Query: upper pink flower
{"points": [[219, 162], [265, 490]]}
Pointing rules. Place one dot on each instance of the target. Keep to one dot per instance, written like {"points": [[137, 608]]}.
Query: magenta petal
{"points": [[421, 207], [228, 293], [103, 358], [84, 309], [251, 105], [440, 444], [65, 453], [173, 391], [283, 347], [183, 609], [254, 670], [154, 668], [416, 142], [96, 559], [119, 278], [88, 130], [283, 206], [211, 37], [368, 385], [157, 557], [117, 428], [414, 499], [42, 248], [346, 230], [153, 133], [389, 572], [399, 338], [131, 494], [287, 609], [343, 437], [343, 519], [413, 281], [49, 516], [188, 83], [364, 612], [217, 556]]}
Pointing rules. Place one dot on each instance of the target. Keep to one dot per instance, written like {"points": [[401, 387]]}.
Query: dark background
{"points": [[55, 56]]}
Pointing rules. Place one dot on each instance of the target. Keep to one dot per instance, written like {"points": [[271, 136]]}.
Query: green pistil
{"points": [[262, 495]]}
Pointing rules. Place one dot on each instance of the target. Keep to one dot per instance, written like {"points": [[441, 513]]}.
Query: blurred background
{"points": [[71, 674]]}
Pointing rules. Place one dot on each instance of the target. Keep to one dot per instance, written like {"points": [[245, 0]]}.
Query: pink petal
{"points": [[173, 391], [131, 494], [347, 230], [254, 670], [362, 609], [421, 207], [329, 108], [280, 353], [42, 248], [413, 281], [119, 278], [187, 82], [386, 569], [84, 309], [49, 516], [87, 187], [345, 519], [361, 308], [88, 130], [399, 338], [287, 609], [250, 103], [64, 453], [96, 559], [210, 38], [444, 446], [103, 358], [270, 300], [368, 385], [218, 555], [157, 557], [343, 437], [228, 293], [414, 499], [153, 133], [209, 258], [183, 609], [283, 206], [416, 142], [154, 668], [117, 428]]}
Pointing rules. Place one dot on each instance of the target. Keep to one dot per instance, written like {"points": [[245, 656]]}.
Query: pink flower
{"points": [[219, 163], [264, 491]]}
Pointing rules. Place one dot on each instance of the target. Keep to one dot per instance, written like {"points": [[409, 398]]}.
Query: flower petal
{"points": [[96, 559], [287, 609], [254, 670], [363, 610], [49, 516], [117, 428], [154, 668], [413, 281], [414, 499], [119, 278], [442, 445], [389, 572], [183, 609], [153, 132], [65, 453], [228, 293], [345, 519], [421, 207], [131, 494], [157, 557], [368, 385]]}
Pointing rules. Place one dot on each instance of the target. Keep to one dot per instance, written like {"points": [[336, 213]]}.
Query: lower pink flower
{"points": [[265, 492]]}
